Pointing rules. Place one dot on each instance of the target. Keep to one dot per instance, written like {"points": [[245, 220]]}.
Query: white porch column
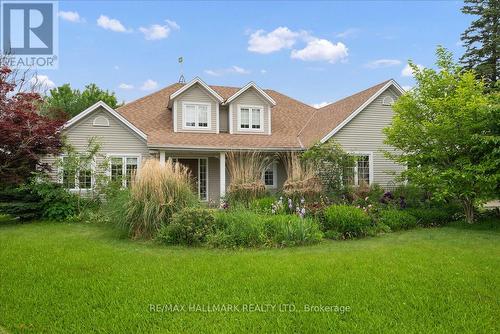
{"points": [[162, 158], [222, 171]]}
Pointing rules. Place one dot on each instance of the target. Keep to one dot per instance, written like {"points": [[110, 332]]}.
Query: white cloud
{"points": [[42, 82], [212, 72], [383, 63], [351, 32], [316, 49], [70, 16], [407, 87], [111, 24], [320, 105], [158, 31], [407, 70], [116, 67], [238, 70], [173, 24], [321, 50], [280, 38], [155, 32], [149, 85], [125, 86], [263, 71], [230, 70]]}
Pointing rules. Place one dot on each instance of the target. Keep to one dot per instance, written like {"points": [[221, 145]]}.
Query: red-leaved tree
{"points": [[25, 136]]}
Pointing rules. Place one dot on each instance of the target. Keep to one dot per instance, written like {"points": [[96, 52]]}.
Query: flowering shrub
{"points": [[298, 208]]}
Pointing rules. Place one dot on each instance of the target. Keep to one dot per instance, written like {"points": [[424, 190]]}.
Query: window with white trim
{"points": [[123, 169], [85, 178], [74, 179], [360, 173], [202, 177], [68, 178], [196, 115], [270, 176], [250, 118]]}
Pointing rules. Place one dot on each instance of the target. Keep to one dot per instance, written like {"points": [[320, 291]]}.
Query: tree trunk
{"points": [[468, 205]]}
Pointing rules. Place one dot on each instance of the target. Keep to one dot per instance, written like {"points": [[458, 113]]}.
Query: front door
{"points": [[199, 170]]}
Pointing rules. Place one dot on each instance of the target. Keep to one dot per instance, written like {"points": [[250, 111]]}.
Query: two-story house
{"points": [[197, 124]]}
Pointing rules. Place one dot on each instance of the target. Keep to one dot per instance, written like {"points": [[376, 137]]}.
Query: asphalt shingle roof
{"points": [[294, 124]]}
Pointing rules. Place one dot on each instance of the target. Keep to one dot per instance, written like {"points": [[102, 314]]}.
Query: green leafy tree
{"points": [[447, 131], [332, 164], [482, 40], [65, 102], [76, 166]]}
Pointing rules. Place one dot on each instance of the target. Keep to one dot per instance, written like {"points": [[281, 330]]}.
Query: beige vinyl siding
{"points": [[116, 138], [252, 98], [223, 118], [364, 134], [196, 94]]}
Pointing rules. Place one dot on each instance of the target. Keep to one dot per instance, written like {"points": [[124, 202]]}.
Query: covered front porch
{"points": [[210, 174]]}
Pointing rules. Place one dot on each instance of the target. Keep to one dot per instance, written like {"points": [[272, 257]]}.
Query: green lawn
{"points": [[62, 278]]}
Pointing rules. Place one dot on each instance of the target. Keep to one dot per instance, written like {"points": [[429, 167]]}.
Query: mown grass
{"points": [[62, 278]]}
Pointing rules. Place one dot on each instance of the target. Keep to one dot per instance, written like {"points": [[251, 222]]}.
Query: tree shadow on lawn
{"points": [[490, 222]]}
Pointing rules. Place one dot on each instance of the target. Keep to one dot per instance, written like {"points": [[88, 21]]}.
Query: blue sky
{"points": [[313, 51]]}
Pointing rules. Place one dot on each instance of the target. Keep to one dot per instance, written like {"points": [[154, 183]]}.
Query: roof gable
{"points": [[329, 119], [248, 86], [107, 108], [356, 111], [202, 84]]}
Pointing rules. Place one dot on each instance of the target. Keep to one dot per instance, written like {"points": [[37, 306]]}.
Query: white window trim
{"points": [[261, 116], [370, 165], [196, 126], [206, 177], [95, 123], [124, 157], [60, 172], [274, 166]]}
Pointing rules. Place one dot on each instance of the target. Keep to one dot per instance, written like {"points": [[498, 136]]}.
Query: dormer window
{"points": [[196, 115], [251, 118]]}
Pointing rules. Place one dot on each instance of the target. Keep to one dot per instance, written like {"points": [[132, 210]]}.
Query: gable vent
{"points": [[101, 121], [387, 101]]}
